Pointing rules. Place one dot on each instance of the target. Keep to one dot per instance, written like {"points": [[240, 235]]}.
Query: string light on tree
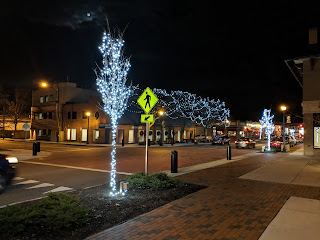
{"points": [[111, 82], [267, 122]]}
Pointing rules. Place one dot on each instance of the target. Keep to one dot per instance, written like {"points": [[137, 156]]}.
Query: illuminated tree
{"points": [[111, 82], [201, 111], [267, 123]]}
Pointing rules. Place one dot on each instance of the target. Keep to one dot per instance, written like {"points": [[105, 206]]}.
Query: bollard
{"points": [[229, 152], [34, 149], [174, 161], [38, 146]]}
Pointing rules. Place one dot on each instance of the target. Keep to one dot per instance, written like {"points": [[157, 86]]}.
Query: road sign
{"points": [[146, 118], [26, 127], [147, 100]]}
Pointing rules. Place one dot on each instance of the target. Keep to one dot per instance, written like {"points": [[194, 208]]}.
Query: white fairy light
{"points": [[111, 82], [267, 123]]}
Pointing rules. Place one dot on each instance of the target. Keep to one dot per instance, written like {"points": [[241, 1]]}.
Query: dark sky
{"points": [[229, 51]]}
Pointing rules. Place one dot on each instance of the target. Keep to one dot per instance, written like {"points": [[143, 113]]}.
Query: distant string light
{"points": [[111, 81]]}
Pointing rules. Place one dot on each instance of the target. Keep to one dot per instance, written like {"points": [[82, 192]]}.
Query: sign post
{"points": [[147, 100], [25, 128]]}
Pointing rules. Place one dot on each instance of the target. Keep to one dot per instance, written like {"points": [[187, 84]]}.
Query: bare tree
{"points": [[19, 107]]}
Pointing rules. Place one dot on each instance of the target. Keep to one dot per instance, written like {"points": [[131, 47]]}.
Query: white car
{"points": [[202, 138]]}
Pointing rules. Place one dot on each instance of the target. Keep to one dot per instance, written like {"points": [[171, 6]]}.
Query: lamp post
{"points": [[44, 85], [88, 115], [161, 113], [283, 109]]}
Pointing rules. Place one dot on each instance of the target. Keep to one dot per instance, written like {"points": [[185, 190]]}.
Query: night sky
{"points": [[234, 52]]}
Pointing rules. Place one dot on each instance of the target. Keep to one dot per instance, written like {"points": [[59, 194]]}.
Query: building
{"points": [[59, 113], [306, 70]]}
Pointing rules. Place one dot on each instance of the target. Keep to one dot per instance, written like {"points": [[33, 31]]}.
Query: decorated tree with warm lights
{"points": [[112, 84], [267, 122]]}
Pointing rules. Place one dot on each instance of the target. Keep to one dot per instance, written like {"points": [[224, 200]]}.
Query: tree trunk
{"points": [[114, 126]]}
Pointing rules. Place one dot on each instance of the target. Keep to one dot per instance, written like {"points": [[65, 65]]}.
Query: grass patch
{"points": [[153, 181]]}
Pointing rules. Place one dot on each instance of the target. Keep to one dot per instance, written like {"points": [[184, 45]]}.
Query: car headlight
{"points": [[12, 159]]}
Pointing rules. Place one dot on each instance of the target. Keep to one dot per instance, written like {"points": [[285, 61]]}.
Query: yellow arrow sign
{"points": [[146, 118], [147, 100]]}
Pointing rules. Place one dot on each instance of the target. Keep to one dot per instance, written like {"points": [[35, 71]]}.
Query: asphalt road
{"points": [[69, 167]]}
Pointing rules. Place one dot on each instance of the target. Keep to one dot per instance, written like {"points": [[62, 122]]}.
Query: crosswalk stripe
{"points": [[41, 185], [59, 189], [17, 178], [26, 182]]}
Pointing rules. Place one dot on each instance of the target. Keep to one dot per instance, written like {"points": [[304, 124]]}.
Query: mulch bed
{"points": [[109, 211]]}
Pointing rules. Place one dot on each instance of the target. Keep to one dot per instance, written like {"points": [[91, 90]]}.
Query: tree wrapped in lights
{"points": [[111, 82], [267, 123], [201, 111]]}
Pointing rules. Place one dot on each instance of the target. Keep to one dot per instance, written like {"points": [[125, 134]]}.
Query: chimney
{"points": [[313, 35]]}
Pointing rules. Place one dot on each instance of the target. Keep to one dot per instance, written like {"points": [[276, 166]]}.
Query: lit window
{"points": [[40, 115], [40, 132], [41, 99], [96, 134], [47, 98]]}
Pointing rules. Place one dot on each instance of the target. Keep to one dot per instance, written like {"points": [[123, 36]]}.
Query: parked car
{"points": [[293, 141], [221, 139], [7, 170], [276, 142], [202, 138], [245, 143]]}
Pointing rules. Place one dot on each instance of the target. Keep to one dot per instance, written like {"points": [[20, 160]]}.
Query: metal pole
{"points": [[25, 140], [88, 132], [283, 135], [146, 157]]}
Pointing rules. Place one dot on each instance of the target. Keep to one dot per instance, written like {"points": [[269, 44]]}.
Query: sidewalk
{"points": [[236, 207]]}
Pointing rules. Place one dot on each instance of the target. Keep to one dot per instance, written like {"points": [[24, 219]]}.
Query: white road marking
{"points": [[17, 178], [26, 182], [79, 168], [41, 185], [58, 189]]}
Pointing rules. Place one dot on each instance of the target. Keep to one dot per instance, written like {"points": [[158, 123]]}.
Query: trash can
{"points": [[174, 161], [38, 146], [229, 152], [34, 149]]}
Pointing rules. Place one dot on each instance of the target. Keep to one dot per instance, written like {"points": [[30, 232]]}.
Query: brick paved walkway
{"points": [[229, 208]]}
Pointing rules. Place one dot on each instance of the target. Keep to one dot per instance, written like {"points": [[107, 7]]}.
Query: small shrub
{"points": [[57, 211], [154, 181]]}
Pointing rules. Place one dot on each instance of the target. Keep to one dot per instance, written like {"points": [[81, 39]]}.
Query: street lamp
{"points": [[283, 109], [161, 114], [88, 115]]}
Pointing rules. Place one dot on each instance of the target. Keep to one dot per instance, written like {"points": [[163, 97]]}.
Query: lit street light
{"points": [[283, 109], [88, 115]]}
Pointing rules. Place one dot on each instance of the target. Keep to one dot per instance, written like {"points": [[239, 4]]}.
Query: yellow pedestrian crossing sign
{"points": [[147, 100], [146, 118]]}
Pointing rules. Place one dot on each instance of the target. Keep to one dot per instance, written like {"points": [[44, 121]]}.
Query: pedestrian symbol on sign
{"points": [[147, 100]]}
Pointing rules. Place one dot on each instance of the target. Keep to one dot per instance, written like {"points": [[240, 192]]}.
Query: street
{"points": [[69, 167]]}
